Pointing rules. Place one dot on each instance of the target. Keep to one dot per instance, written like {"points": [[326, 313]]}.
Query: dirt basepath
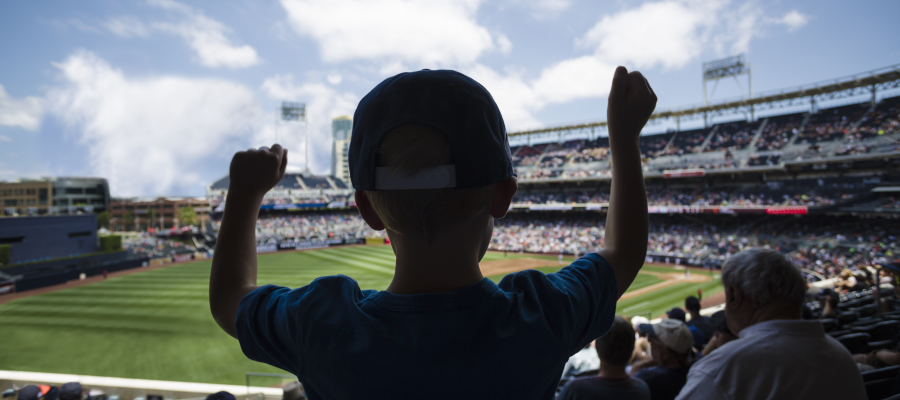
{"points": [[497, 267]]}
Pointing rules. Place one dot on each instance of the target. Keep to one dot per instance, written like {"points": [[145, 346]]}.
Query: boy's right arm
{"points": [[631, 102]]}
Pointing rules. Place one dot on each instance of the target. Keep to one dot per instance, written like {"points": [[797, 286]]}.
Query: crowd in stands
{"points": [[313, 226], [778, 132], [771, 319], [732, 136], [771, 159], [852, 149], [774, 194], [561, 160], [883, 120], [830, 124], [156, 248], [686, 142], [824, 247]]}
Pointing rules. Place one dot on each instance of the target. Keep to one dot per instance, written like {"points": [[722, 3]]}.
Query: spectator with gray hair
{"points": [[778, 355]]}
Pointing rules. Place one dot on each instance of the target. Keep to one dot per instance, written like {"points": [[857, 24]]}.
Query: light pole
{"points": [[293, 111]]}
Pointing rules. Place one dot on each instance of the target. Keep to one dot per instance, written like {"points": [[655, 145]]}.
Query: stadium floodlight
{"points": [[726, 68], [294, 111]]}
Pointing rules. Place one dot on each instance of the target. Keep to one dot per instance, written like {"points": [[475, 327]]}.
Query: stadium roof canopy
{"points": [[849, 86]]}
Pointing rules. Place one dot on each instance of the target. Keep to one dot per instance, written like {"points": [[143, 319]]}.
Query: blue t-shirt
{"points": [[597, 388], [484, 341]]}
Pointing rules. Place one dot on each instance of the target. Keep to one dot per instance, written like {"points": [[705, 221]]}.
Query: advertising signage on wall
{"points": [[305, 244]]}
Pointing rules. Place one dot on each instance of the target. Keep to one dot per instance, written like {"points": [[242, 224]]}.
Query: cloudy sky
{"points": [[157, 95]]}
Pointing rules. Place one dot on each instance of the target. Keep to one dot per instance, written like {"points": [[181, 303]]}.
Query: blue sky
{"points": [[157, 95]]}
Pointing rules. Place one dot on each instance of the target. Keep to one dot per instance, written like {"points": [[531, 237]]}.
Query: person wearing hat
{"points": [[430, 162], [698, 337], [670, 347], [779, 355]]}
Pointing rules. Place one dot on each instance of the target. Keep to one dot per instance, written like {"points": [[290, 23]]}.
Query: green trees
{"points": [[151, 215], [187, 216], [103, 220], [111, 243]]}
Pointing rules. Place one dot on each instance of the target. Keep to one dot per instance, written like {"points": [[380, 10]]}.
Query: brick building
{"points": [[162, 210]]}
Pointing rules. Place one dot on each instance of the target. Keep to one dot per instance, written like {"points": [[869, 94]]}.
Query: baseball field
{"points": [[155, 324]]}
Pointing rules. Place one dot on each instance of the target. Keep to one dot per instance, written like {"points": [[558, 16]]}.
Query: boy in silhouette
{"points": [[430, 162]]}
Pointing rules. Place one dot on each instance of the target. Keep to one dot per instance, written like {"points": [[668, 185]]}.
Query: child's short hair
{"points": [[411, 148], [617, 345]]}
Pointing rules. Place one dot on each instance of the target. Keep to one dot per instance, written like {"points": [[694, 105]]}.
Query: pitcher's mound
{"points": [[497, 267]]}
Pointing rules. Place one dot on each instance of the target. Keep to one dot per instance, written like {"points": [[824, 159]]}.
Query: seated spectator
{"points": [[71, 391], [701, 323], [829, 300], [582, 361], [611, 382], [778, 356], [696, 335], [670, 346], [722, 334], [641, 345], [223, 395]]}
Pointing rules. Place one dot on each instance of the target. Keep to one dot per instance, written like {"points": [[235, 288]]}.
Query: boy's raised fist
{"points": [[256, 171], [631, 102]]}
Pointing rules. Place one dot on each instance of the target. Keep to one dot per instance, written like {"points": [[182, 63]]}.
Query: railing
{"points": [[247, 376]]}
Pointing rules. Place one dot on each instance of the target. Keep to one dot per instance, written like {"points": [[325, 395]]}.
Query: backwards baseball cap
{"points": [[673, 333], [447, 101]]}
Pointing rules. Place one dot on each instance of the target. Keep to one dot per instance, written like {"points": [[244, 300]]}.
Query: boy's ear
{"points": [[366, 211], [503, 196]]}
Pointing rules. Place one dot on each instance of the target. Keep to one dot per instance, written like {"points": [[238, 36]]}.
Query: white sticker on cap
{"points": [[435, 178]]}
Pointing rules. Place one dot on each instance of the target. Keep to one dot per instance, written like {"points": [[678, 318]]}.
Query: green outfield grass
{"points": [[156, 324]]}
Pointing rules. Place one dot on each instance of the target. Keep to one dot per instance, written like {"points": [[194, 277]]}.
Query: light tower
{"points": [[293, 111], [727, 68]]}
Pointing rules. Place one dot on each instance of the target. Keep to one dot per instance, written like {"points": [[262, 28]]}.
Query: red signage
{"points": [[684, 173], [800, 210]]}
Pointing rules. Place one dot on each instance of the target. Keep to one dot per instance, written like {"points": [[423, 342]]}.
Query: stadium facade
{"points": [[54, 195]]}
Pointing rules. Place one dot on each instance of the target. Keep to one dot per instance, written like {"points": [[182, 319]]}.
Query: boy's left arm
{"points": [[251, 175]]}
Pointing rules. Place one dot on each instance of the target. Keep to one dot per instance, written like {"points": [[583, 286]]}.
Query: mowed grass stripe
{"points": [[363, 265]]}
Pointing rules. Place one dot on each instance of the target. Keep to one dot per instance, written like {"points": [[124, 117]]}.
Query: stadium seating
{"points": [[850, 130]]}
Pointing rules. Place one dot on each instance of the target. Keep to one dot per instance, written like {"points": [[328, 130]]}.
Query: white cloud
{"points": [[794, 20], [126, 27], [207, 37], [323, 103], [429, 34], [25, 113], [4, 138], [674, 33], [334, 78], [667, 33], [149, 136], [567, 80]]}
